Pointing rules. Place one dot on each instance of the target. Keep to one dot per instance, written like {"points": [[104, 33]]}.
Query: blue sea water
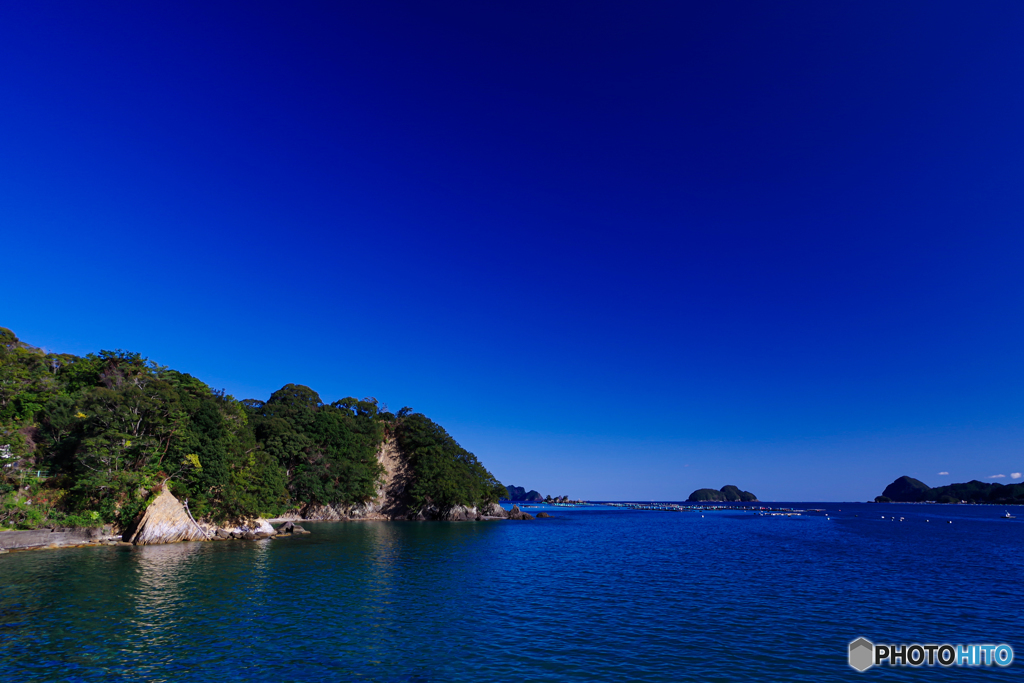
{"points": [[592, 594]]}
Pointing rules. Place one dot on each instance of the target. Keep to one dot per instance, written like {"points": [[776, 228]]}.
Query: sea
{"points": [[590, 594]]}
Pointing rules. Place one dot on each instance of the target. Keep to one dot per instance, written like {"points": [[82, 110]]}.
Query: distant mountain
{"points": [[728, 494], [518, 493], [910, 490]]}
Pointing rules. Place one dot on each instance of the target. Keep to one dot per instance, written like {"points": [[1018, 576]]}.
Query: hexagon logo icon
{"points": [[862, 654]]}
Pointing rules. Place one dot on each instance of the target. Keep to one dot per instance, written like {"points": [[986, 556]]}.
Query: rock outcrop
{"points": [[516, 513], [163, 521], [50, 538], [494, 511], [251, 530], [459, 513], [393, 498], [339, 513]]}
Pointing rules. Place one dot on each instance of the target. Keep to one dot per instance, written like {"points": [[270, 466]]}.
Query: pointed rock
{"points": [[163, 521], [516, 513]]}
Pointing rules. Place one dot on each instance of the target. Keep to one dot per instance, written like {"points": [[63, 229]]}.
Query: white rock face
{"points": [[261, 528], [494, 510], [164, 521]]}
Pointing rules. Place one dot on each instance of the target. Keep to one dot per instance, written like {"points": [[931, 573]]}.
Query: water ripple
{"points": [[589, 595]]}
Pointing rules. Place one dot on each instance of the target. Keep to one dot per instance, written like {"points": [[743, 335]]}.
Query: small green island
{"points": [[727, 494], [94, 441], [909, 490]]}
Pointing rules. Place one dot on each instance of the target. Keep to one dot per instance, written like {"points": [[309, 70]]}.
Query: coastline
{"points": [[256, 530]]}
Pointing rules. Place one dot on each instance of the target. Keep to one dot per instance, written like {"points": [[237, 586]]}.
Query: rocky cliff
{"points": [[393, 501]]}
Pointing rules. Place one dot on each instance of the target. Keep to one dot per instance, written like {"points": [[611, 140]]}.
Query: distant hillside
{"points": [[517, 493], [728, 494], [910, 490]]}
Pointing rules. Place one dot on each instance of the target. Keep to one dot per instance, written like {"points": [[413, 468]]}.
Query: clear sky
{"points": [[619, 250]]}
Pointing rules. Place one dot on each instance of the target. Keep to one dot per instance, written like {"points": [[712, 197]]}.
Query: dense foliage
{"points": [[83, 440], [328, 452], [445, 473]]}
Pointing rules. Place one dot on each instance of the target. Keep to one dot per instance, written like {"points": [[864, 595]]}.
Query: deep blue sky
{"points": [[620, 250]]}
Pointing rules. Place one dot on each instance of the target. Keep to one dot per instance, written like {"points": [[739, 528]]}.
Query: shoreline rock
{"points": [[516, 513], [52, 537]]}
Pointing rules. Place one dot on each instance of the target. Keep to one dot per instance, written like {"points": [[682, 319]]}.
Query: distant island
{"points": [[518, 493], [728, 494], [909, 490]]}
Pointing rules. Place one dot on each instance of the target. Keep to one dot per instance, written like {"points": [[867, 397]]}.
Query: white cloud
{"points": [[1016, 475], [943, 473], [998, 476]]}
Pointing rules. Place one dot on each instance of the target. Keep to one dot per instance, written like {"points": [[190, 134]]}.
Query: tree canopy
{"points": [[445, 473]]}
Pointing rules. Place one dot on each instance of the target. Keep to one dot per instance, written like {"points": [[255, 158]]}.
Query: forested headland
{"points": [[85, 440], [909, 490]]}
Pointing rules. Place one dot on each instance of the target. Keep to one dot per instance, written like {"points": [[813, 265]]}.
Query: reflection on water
{"points": [[589, 595], [160, 585]]}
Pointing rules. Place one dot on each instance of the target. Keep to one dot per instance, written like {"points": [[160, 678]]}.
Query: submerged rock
{"points": [[163, 521]]}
